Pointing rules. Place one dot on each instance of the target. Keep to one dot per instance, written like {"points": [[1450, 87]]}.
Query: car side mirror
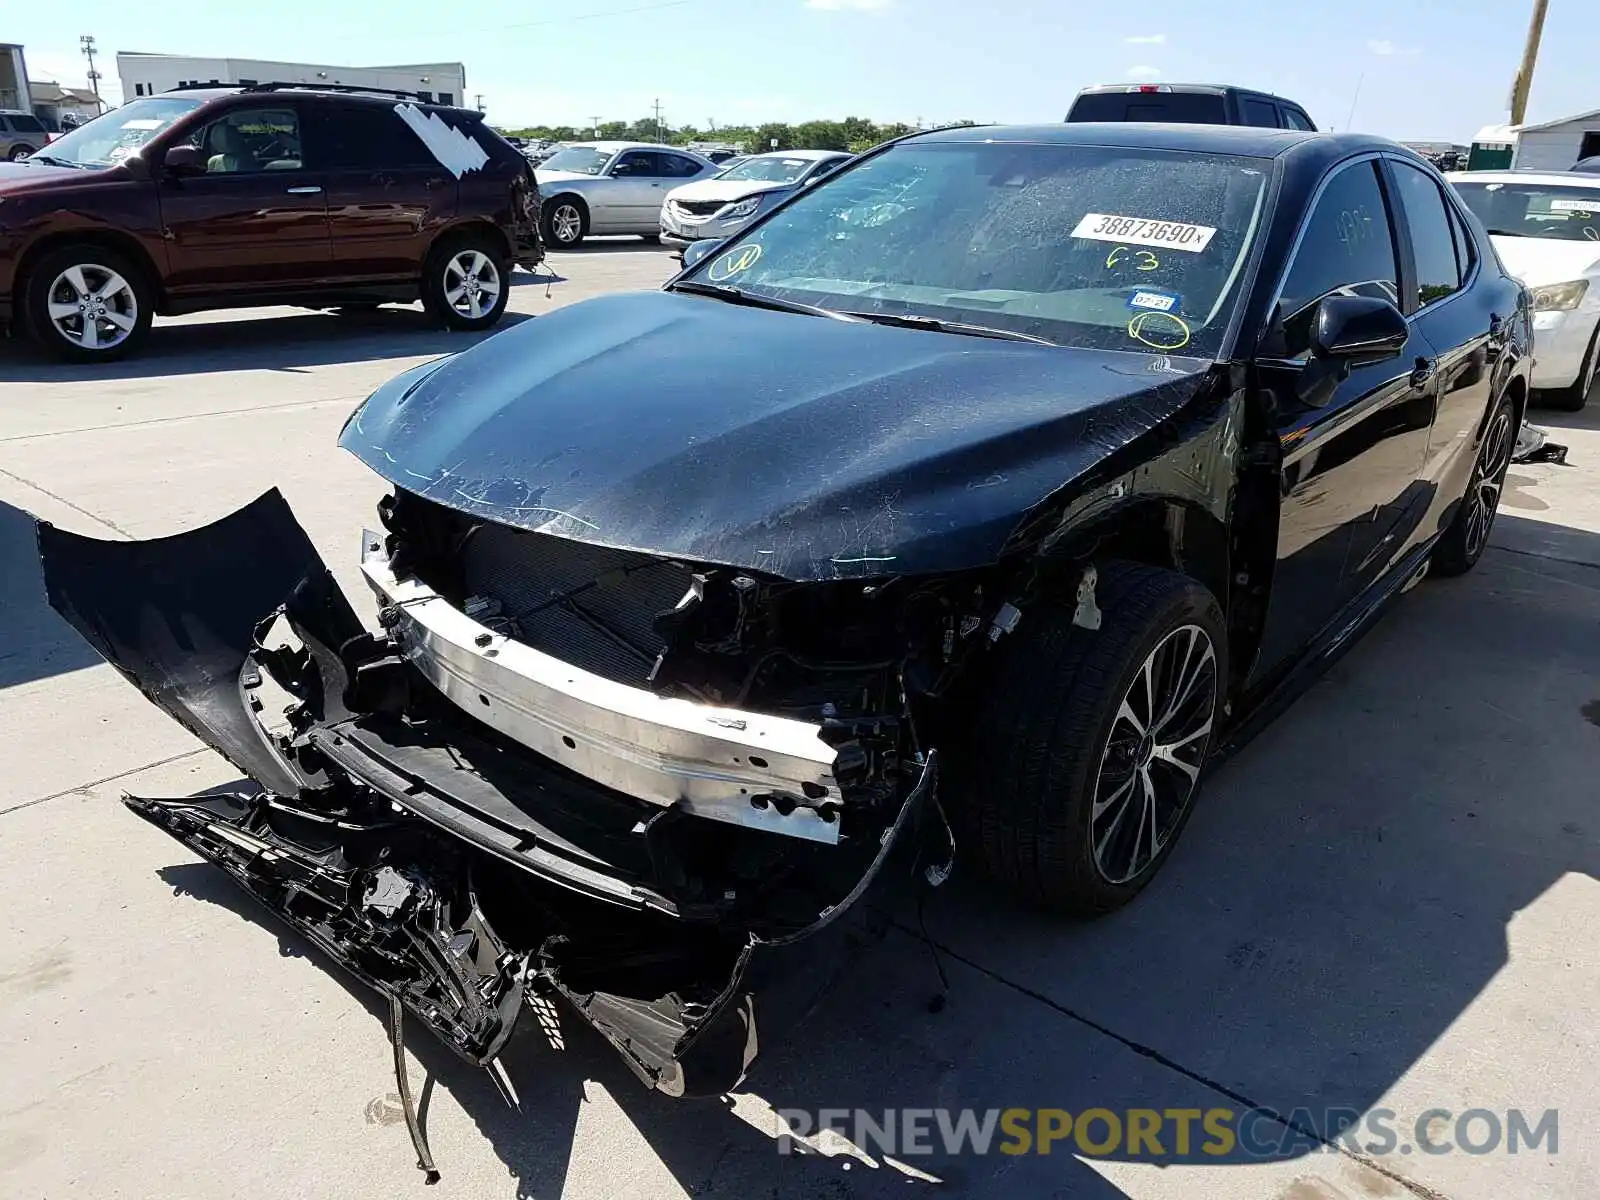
{"points": [[620, 169], [1358, 330], [184, 160], [695, 251]]}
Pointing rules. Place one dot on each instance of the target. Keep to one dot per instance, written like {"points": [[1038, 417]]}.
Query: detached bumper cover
{"points": [[385, 862]]}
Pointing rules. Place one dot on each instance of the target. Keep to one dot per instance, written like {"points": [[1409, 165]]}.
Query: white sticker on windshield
{"points": [[1144, 231], [1583, 206], [1154, 301], [142, 123]]}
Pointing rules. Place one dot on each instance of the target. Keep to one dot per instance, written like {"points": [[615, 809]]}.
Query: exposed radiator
{"points": [[612, 597]]}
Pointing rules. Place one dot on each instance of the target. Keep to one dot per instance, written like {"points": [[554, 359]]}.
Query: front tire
{"points": [[18, 153], [1462, 544], [566, 222], [1078, 781], [85, 303], [466, 282]]}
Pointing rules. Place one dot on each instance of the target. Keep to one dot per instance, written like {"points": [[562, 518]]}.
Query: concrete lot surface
{"points": [[1388, 901]]}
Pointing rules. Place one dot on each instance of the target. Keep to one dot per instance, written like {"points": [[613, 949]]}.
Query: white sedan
{"points": [[610, 187], [718, 207], [1546, 229]]}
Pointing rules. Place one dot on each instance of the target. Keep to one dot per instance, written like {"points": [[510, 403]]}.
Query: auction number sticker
{"points": [[1144, 231], [1575, 206]]}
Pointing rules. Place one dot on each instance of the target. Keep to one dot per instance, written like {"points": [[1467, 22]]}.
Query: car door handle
{"points": [[309, 190], [1422, 372]]}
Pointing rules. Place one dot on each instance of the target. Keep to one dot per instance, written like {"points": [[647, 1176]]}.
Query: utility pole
{"points": [[480, 102], [1530, 54], [595, 121], [87, 42], [661, 135]]}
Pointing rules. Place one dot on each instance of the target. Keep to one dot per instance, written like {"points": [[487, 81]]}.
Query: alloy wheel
{"points": [[1488, 479], [1152, 759], [93, 307], [567, 224], [471, 283]]}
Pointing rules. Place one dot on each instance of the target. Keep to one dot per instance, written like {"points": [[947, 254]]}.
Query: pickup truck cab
{"points": [[1188, 104]]}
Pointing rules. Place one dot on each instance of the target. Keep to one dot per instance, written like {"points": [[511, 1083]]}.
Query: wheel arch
{"points": [[124, 244], [472, 227]]}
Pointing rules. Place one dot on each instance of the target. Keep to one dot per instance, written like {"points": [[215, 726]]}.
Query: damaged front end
{"points": [[650, 788]]}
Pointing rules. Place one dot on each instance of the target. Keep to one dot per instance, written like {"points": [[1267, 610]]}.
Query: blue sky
{"points": [[1426, 70]]}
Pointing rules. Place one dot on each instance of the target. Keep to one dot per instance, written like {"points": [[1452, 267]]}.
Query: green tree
{"points": [[821, 135], [771, 136]]}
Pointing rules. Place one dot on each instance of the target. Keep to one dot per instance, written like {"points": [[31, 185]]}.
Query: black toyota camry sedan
{"points": [[966, 505]]}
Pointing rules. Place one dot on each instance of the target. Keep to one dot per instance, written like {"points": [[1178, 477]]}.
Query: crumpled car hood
{"points": [[803, 447]]}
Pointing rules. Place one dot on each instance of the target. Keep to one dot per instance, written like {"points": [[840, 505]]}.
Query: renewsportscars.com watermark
{"points": [[1154, 1133]]}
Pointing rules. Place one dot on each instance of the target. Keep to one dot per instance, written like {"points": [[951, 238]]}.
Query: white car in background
{"points": [[1546, 228], [718, 207], [610, 187]]}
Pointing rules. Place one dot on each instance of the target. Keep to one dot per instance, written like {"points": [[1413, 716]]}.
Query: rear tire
{"points": [[466, 282], [1463, 543], [85, 303], [565, 222], [1573, 398], [1063, 727]]}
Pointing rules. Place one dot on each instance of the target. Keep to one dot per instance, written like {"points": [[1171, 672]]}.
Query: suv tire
{"points": [[566, 222], [20, 152], [466, 281], [100, 284], [1065, 742]]}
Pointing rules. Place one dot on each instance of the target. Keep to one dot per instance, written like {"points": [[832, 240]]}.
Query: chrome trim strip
{"points": [[707, 760]]}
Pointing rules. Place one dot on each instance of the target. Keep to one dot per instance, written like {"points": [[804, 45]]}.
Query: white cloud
{"points": [[1147, 39], [1384, 48], [850, 5], [1144, 71]]}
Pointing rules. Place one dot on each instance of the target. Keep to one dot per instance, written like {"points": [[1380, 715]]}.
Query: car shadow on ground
{"points": [[1346, 890], [277, 342], [35, 643], [616, 244]]}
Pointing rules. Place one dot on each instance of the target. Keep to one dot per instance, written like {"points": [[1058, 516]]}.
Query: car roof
{"points": [[798, 154], [1548, 178], [613, 147], [225, 91], [1255, 141]]}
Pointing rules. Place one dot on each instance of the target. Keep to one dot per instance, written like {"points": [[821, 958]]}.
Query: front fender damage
{"points": [[454, 872]]}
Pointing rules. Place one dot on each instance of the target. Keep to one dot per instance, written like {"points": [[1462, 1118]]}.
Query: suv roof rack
{"points": [[280, 86]]}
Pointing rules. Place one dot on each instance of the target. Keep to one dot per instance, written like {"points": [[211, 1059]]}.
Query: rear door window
{"points": [[1433, 244], [370, 137], [27, 124], [1293, 118]]}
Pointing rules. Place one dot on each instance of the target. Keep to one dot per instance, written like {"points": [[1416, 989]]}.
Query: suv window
{"points": [[1348, 247], [26, 124], [1433, 244], [1190, 108], [1258, 112], [246, 141], [1293, 118], [370, 137]]}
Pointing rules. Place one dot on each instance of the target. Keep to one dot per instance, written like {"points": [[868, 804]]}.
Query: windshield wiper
{"points": [[51, 160], [908, 321], [735, 295]]}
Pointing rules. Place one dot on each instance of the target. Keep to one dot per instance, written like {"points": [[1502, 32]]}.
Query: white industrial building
{"points": [[1549, 146], [150, 74]]}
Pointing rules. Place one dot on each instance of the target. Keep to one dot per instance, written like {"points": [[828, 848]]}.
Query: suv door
{"points": [[257, 218], [1350, 466], [388, 196]]}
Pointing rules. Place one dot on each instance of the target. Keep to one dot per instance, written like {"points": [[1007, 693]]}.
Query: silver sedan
{"points": [[611, 187]]}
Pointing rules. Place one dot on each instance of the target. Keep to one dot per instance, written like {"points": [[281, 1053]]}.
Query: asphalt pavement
{"points": [[1386, 903]]}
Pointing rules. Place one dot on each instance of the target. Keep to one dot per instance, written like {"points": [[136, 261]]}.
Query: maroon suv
{"points": [[271, 194]]}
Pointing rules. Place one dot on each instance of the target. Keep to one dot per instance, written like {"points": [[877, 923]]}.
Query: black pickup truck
{"points": [[1189, 104]]}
